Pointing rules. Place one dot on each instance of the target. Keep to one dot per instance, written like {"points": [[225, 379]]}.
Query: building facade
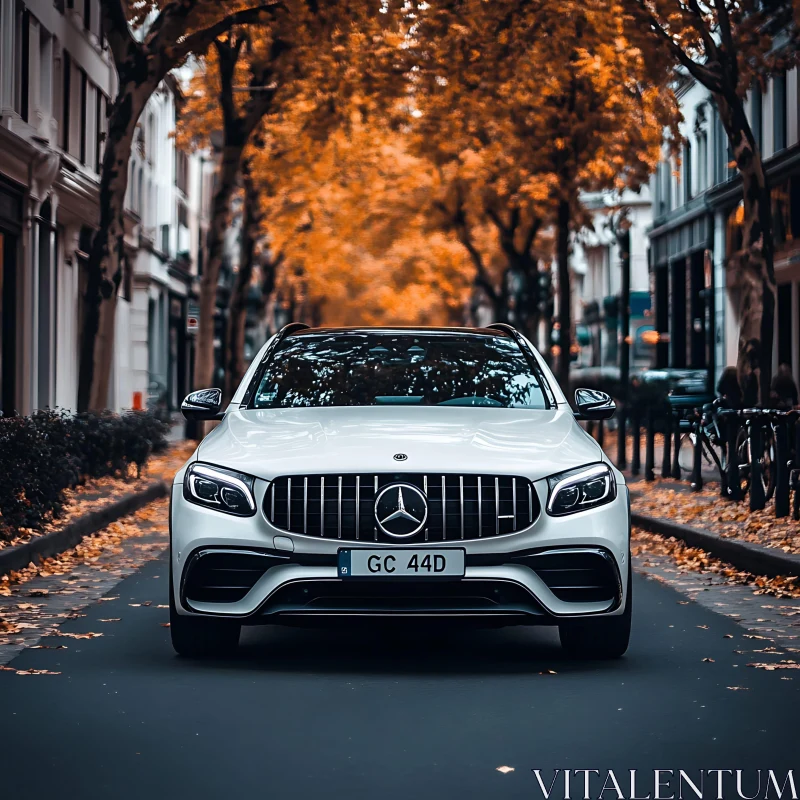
{"points": [[596, 265], [56, 81], [697, 216]]}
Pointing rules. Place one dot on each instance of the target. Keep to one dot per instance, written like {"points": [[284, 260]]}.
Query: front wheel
{"points": [[196, 637], [606, 637]]}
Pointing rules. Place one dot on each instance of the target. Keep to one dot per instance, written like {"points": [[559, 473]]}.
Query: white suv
{"points": [[391, 472]]}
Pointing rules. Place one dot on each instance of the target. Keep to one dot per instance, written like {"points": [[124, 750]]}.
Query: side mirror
{"points": [[592, 404], [203, 404]]}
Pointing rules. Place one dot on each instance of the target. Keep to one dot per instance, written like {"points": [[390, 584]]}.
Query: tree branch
{"points": [[531, 236], [700, 73], [712, 53], [116, 29], [199, 41], [724, 20]]}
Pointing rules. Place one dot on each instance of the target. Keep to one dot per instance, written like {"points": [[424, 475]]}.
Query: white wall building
{"points": [[56, 80], [697, 226]]}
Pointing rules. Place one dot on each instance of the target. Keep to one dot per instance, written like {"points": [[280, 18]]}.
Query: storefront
{"points": [[682, 279]]}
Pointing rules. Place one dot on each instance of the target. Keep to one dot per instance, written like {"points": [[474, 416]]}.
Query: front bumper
{"points": [[532, 576]]}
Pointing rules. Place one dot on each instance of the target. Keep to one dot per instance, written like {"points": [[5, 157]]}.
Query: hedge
{"points": [[49, 452]]}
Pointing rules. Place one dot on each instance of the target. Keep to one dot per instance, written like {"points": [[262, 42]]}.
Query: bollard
{"points": [[601, 430], [782, 467], [666, 463], [696, 477], [622, 456], [757, 497], [676, 443], [650, 446], [733, 480], [636, 431]]}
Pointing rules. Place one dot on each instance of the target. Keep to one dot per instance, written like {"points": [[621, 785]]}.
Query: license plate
{"points": [[362, 563]]}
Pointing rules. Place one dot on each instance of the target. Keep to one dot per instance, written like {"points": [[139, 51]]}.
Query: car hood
{"points": [[365, 439]]}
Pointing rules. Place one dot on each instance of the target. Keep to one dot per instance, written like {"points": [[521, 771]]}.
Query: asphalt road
{"points": [[382, 713]]}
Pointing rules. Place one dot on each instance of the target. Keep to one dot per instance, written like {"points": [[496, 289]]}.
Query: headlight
{"points": [[221, 489], [579, 489]]}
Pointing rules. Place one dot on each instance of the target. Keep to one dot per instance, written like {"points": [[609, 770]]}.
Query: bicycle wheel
{"points": [[766, 461]]}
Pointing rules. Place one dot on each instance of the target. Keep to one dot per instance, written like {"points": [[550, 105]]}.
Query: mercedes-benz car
{"points": [[399, 473]]}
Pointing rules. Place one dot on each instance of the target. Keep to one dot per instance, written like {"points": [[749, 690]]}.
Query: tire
{"points": [[606, 637], [199, 637], [767, 462]]}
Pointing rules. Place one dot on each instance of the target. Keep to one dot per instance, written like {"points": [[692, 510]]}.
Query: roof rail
{"points": [[523, 345], [279, 337], [506, 328], [291, 327]]}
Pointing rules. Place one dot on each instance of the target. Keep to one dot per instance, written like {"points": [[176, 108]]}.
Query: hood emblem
{"points": [[400, 457], [401, 510]]}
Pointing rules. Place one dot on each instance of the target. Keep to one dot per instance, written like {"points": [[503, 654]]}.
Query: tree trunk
{"points": [[754, 264], [237, 312], [107, 256], [564, 295], [227, 179]]}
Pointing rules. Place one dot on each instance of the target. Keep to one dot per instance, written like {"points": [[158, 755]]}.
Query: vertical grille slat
{"points": [[463, 506]]}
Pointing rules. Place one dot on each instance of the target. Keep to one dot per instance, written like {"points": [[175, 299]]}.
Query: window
{"points": [[45, 71], [165, 239], [687, 172], [702, 161], [181, 170], [22, 62], [66, 73], [779, 112], [408, 369], [757, 116], [83, 113], [100, 129]]}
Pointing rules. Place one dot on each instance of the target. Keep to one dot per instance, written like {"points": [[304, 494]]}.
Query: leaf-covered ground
{"points": [[96, 493], [672, 500]]}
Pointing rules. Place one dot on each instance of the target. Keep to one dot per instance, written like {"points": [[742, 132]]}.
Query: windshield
{"points": [[376, 368]]}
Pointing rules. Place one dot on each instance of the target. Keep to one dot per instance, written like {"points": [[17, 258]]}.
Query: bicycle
{"points": [[766, 458], [714, 446]]}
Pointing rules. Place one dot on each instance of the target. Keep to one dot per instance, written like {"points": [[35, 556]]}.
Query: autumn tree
{"points": [[146, 40], [726, 46], [539, 102]]}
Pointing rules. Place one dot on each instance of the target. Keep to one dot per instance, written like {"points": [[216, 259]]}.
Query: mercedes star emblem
{"points": [[401, 510], [400, 456]]}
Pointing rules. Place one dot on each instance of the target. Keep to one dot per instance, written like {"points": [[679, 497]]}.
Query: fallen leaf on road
{"points": [[165, 624], [135, 605], [704, 627], [38, 593], [48, 647], [111, 619], [77, 635], [36, 672], [505, 770], [728, 636], [709, 660], [739, 688], [771, 667], [162, 606]]}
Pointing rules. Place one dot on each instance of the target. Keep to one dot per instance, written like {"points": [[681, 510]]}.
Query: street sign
{"points": [[193, 318]]}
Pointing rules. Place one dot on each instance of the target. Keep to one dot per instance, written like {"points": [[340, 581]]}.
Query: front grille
{"points": [[577, 576], [224, 577], [460, 507]]}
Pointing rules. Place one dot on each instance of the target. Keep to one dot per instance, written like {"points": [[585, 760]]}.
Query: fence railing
{"points": [[755, 452]]}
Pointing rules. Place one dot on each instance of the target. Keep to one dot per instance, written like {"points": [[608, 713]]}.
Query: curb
{"points": [[753, 558], [51, 544]]}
